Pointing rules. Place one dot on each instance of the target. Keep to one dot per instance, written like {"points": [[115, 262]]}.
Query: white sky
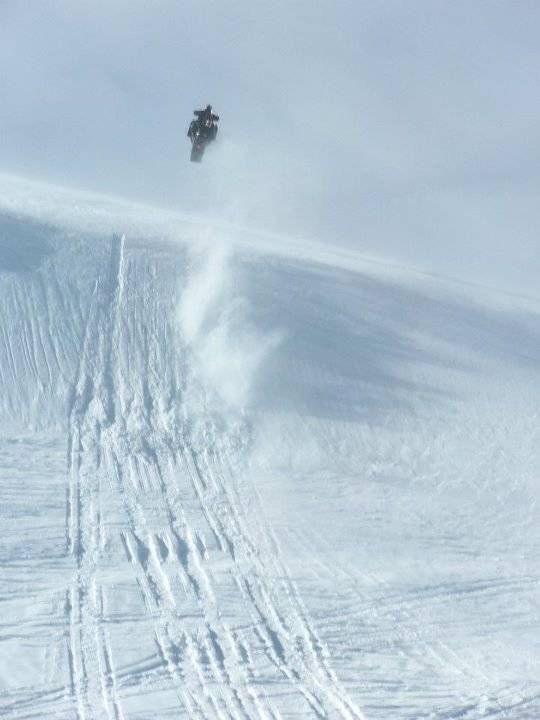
{"points": [[404, 128]]}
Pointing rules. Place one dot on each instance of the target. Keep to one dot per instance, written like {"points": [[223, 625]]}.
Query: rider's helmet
{"points": [[209, 108]]}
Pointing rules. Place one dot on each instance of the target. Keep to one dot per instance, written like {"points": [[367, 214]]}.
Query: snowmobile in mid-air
{"points": [[202, 130]]}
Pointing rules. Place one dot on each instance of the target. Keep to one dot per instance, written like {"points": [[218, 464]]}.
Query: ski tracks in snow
{"points": [[164, 488]]}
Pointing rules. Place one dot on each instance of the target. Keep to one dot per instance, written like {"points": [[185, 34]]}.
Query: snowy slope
{"points": [[244, 477]]}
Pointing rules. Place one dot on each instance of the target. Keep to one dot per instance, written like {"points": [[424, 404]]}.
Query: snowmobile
{"points": [[199, 141], [202, 131]]}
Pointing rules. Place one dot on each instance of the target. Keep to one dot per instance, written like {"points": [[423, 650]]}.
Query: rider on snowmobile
{"points": [[205, 123]]}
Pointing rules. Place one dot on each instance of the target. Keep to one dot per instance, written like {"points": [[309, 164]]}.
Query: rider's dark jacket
{"points": [[204, 115]]}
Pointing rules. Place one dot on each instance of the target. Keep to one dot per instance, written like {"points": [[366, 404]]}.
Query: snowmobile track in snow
{"points": [[183, 513]]}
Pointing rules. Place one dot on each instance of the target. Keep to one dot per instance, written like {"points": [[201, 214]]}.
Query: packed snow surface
{"points": [[249, 477]]}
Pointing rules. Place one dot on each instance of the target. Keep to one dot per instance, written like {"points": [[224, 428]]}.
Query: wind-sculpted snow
{"points": [[247, 485]]}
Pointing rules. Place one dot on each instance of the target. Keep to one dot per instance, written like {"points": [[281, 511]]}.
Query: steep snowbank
{"points": [[248, 478]]}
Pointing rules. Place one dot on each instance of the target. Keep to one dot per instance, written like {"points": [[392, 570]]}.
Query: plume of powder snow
{"points": [[217, 325]]}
